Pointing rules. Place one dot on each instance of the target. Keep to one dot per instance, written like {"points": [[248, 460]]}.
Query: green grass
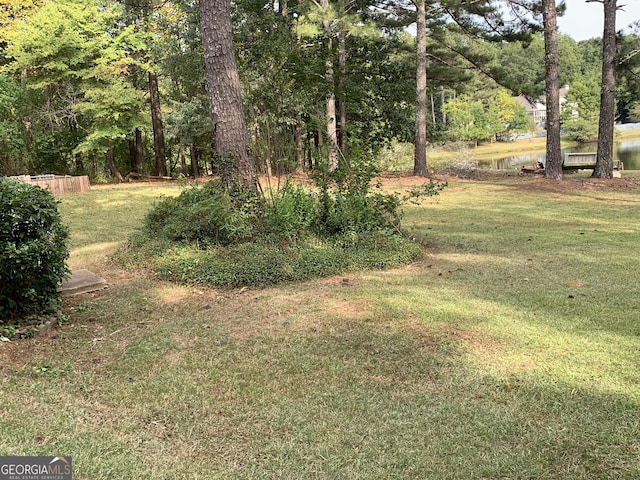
{"points": [[511, 351]]}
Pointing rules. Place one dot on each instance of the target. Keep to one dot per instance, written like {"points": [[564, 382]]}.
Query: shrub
{"points": [[349, 204], [291, 212], [207, 215], [33, 249], [207, 236], [581, 130]]}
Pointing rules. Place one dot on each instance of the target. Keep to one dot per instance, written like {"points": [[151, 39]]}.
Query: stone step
{"points": [[81, 281]]}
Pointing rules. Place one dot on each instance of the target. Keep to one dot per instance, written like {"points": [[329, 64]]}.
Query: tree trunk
{"points": [[604, 158], [156, 122], [135, 151], [194, 154], [342, 61], [330, 99], [227, 114], [297, 135], [138, 145], [112, 166], [420, 154], [183, 162], [433, 109], [442, 99], [553, 166]]}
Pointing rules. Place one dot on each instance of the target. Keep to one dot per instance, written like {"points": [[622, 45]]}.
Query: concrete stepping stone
{"points": [[81, 281]]}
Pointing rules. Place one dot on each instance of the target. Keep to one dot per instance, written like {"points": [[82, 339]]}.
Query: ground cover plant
{"points": [[509, 351]]}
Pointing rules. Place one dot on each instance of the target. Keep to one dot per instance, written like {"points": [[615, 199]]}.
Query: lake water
{"points": [[628, 152]]}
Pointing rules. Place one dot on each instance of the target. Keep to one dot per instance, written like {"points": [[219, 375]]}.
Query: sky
{"points": [[584, 20]]}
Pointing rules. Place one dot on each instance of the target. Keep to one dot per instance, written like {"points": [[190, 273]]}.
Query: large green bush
{"points": [[33, 249]]}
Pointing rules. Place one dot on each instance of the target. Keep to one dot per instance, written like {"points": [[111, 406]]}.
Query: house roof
{"points": [[526, 102]]}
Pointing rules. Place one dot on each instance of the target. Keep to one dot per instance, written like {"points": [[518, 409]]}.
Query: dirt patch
{"points": [[532, 183], [572, 184]]}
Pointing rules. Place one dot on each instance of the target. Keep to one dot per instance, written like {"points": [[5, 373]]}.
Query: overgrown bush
{"points": [[33, 249], [343, 222], [205, 214], [350, 204]]}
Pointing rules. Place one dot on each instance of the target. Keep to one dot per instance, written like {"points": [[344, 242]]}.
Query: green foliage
{"points": [[291, 212], [207, 215], [11, 139], [33, 249], [467, 119], [580, 129], [268, 263], [581, 109], [206, 235], [348, 203]]}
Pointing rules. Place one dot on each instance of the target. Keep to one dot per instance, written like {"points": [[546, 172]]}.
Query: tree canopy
{"points": [[79, 81]]}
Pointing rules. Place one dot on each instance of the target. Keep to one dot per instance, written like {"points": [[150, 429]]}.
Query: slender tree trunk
{"points": [[433, 109], [553, 166], [442, 99], [297, 136], [330, 105], [183, 162], [342, 61], [132, 154], [420, 153], [112, 166], [194, 154], [223, 84], [158, 129], [604, 158], [138, 145], [135, 151]]}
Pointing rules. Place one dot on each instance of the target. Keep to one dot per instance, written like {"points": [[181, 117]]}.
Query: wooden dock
{"points": [[585, 161]]}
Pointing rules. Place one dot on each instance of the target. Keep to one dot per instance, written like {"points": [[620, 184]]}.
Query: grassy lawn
{"points": [[510, 351]]}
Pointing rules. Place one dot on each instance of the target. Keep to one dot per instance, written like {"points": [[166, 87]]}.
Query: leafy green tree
{"points": [[512, 116], [80, 59], [467, 119], [580, 110], [628, 87]]}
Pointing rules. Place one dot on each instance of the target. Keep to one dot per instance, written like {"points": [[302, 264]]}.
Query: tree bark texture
{"points": [[604, 158], [553, 166], [158, 128], [223, 84], [420, 153]]}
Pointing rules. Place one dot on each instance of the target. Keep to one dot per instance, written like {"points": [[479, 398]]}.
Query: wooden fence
{"points": [[58, 184]]}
